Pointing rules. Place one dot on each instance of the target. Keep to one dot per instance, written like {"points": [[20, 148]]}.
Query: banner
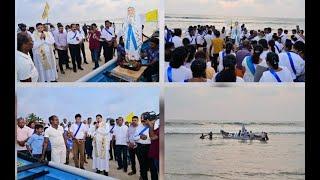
{"points": [[152, 16], [129, 117], [45, 13]]}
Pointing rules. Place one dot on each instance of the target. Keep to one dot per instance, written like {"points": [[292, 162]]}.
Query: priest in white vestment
{"points": [[43, 55], [100, 143]]}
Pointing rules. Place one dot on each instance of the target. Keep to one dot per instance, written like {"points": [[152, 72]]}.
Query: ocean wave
{"points": [[223, 175], [237, 123]]}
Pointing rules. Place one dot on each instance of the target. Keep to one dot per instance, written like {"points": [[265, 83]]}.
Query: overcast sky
{"points": [[245, 103], [30, 11], [67, 101], [254, 8]]}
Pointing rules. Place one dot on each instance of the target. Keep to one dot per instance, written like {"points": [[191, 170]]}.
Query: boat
{"points": [[107, 73], [29, 167], [261, 137]]}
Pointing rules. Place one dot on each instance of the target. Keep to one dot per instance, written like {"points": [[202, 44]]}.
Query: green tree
{"points": [[33, 117]]}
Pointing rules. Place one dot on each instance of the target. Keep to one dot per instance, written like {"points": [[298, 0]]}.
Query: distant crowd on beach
{"points": [[206, 54], [38, 47], [100, 140]]}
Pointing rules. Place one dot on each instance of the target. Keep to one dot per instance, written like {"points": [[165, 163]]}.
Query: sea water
{"points": [[183, 22], [189, 157]]}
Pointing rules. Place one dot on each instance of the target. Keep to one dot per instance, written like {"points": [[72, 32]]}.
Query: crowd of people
{"points": [[37, 50], [205, 54], [100, 140]]}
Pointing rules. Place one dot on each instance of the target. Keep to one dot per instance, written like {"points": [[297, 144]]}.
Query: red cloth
{"points": [[94, 43], [154, 147]]}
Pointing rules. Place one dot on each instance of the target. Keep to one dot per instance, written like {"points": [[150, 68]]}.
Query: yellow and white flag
{"points": [[129, 117], [152, 16], [45, 13]]}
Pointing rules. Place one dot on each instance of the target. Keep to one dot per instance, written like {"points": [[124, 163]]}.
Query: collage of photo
{"points": [[103, 92]]}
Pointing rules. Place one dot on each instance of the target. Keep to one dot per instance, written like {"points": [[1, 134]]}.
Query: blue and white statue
{"points": [[132, 35]]}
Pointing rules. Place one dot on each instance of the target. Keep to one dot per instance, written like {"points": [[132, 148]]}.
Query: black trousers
{"points": [[144, 160], [88, 146], [107, 51], [132, 154], [63, 58], [75, 55], [48, 155], [214, 61], [121, 153], [31, 54], [83, 52], [151, 70], [112, 148]]}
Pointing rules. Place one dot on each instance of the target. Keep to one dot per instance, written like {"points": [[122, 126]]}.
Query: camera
{"points": [[150, 116]]}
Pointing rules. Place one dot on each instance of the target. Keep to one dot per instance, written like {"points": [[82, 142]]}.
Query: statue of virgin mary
{"points": [[132, 30]]}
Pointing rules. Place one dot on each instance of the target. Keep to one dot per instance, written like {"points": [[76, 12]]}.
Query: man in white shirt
{"points": [[25, 69], [268, 34], [120, 134], [143, 142], [107, 40], [23, 134], [54, 134], [282, 36], [78, 132], [191, 36], [132, 144], [177, 41], [292, 61], [208, 38], [74, 38], [82, 47], [43, 55]]}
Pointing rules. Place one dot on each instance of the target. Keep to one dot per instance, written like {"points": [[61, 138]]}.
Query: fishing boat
{"points": [[255, 136], [111, 72], [29, 167]]}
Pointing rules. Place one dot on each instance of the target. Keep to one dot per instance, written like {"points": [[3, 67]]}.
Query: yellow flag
{"points": [[152, 16], [129, 117], [46, 11]]}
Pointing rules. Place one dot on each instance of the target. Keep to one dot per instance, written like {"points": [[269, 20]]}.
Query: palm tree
{"points": [[33, 117]]}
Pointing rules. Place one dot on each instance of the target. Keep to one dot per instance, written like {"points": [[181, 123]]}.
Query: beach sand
{"points": [[71, 76], [113, 172]]}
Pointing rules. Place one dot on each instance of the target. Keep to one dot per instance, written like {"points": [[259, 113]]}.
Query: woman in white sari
{"points": [[100, 143]]}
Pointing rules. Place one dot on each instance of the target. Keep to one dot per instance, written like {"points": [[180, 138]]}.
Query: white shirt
{"points": [[299, 63], [22, 135], [137, 136], [191, 39], [25, 67], [199, 39], [177, 41], [268, 37], [283, 37], [81, 133], [55, 137], [263, 56], [248, 76], [220, 59], [121, 135], [284, 75], [178, 74], [279, 45], [108, 35], [208, 38], [72, 37]]}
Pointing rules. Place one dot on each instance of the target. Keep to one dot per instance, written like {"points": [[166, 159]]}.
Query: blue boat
{"points": [[29, 168]]}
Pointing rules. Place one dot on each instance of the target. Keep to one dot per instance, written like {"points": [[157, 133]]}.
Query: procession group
{"points": [[205, 54], [100, 140]]}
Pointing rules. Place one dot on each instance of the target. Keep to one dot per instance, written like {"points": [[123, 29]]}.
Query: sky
{"points": [[67, 101], [235, 104], [30, 11], [254, 8]]}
